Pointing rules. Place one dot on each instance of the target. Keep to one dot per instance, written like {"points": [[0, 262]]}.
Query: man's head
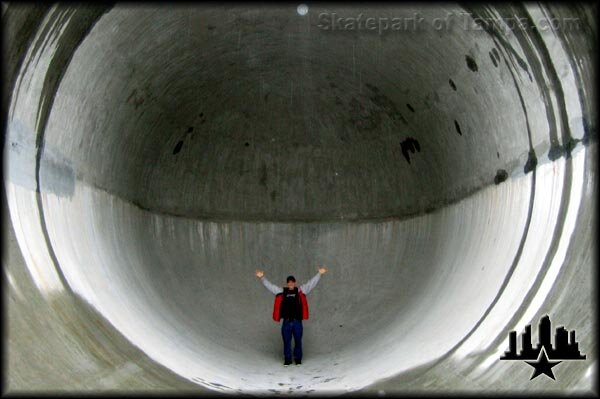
{"points": [[291, 282]]}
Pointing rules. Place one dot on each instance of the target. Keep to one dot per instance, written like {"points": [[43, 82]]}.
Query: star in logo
{"points": [[542, 365]]}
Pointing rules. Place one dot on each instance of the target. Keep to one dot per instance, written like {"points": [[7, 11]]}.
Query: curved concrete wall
{"points": [[156, 156]]}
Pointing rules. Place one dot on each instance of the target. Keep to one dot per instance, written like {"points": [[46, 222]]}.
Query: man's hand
{"points": [[259, 273], [322, 269]]}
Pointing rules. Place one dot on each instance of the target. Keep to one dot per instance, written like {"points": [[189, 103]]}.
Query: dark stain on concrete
{"points": [[410, 108], [457, 126], [372, 88], [273, 195], [531, 162], [452, 84], [263, 175], [211, 27], [267, 97], [361, 117], [497, 154], [570, 146], [501, 175], [135, 99], [556, 151], [409, 144], [178, 147], [386, 104], [493, 59], [246, 144], [190, 129], [471, 63], [495, 53]]}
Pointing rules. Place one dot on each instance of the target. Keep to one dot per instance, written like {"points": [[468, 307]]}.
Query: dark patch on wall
{"points": [[501, 175], [211, 27], [246, 144], [570, 146], [267, 97], [410, 107], [372, 88], [190, 129], [471, 63], [497, 154], [362, 117], [457, 126], [273, 195], [135, 99], [493, 60], [452, 84], [409, 144], [178, 147], [531, 162], [386, 104], [263, 175], [495, 53], [556, 151]]}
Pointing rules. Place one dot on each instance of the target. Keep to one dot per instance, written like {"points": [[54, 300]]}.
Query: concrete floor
{"points": [[155, 157]]}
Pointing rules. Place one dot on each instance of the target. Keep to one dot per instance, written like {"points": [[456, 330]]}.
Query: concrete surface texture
{"points": [[155, 156]]}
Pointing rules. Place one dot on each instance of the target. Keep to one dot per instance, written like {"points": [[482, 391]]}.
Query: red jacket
{"points": [[279, 299]]}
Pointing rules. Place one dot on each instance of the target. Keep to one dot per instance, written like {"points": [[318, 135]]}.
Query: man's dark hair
{"points": [[290, 278]]}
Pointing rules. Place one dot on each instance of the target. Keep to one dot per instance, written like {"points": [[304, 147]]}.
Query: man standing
{"points": [[292, 307]]}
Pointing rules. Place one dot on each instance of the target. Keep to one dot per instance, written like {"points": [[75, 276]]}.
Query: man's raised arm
{"points": [[310, 284], [269, 285]]}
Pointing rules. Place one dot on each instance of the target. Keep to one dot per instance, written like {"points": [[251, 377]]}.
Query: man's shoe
{"points": [[287, 362], [298, 361]]}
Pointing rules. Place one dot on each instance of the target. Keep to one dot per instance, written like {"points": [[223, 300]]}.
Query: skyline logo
{"points": [[566, 348]]}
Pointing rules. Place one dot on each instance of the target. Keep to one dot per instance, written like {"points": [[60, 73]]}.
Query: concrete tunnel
{"points": [[155, 156]]}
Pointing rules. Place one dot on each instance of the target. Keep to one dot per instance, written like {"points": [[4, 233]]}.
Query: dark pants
{"points": [[291, 328]]}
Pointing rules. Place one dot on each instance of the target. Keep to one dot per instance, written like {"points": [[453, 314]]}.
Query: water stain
{"points": [[457, 126], [452, 84], [501, 175], [497, 154], [409, 144], [246, 144], [190, 129], [178, 147], [471, 63]]}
